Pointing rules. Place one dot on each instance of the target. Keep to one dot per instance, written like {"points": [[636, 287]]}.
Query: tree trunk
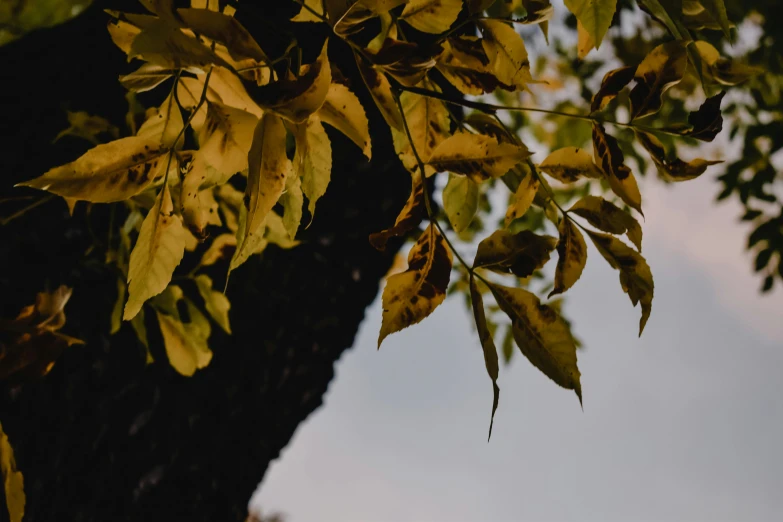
{"points": [[104, 437]]}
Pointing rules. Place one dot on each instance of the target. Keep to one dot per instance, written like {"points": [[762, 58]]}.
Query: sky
{"points": [[683, 424]]}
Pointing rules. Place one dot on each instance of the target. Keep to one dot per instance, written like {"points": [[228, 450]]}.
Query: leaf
{"points": [[542, 336], [674, 169], [635, 276], [163, 124], [478, 6], [611, 160], [146, 77], [522, 198], [476, 156], [216, 303], [222, 247], [431, 16], [407, 62], [87, 126], [295, 100], [312, 160], [409, 217], [158, 250], [224, 143], [380, 90], [428, 122], [707, 122], [614, 81], [186, 344], [569, 164], [723, 70], [198, 206], [595, 15], [465, 64], [605, 216], [163, 44], [255, 243], [661, 69], [292, 201], [411, 296], [460, 201], [520, 254], [109, 172], [487, 345], [507, 53], [343, 111], [718, 9], [572, 256], [268, 169], [13, 481], [224, 29], [308, 14]]}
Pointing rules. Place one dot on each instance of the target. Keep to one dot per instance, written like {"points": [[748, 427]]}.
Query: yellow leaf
{"points": [[222, 247], [123, 33], [431, 16], [13, 481], [661, 69], [215, 303], [674, 169], [507, 53], [477, 156], [409, 217], [158, 250], [343, 111], [146, 77], [605, 216], [520, 254], [268, 169], [185, 343], [292, 201], [163, 124], [411, 296], [572, 256], [613, 82], [312, 160], [522, 198], [297, 99], [113, 171], [311, 11], [161, 43], [460, 201], [595, 15], [380, 90], [487, 345], [585, 42], [198, 207], [88, 127], [724, 70], [225, 87], [428, 122], [224, 143], [569, 164], [255, 243], [224, 29], [542, 336], [610, 158]]}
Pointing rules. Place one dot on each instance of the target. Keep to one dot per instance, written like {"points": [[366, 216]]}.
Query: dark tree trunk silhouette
{"points": [[104, 437]]}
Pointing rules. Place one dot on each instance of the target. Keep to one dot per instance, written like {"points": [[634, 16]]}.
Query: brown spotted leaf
{"points": [[635, 276], [570, 164], [542, 336], [164, 124], [661, 69], [673, 169], [431, 16], [487, 346], [605, 216], [428, 123], [476, 156], [507, 53], [411, 296], [381, 92], [522, 198], [343, 111], [409, 217], [611, 160], [614, 81], [572, 256], [109, 172], [224, 29], [520, 254]]}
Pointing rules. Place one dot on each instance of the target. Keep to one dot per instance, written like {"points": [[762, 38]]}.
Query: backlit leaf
{"points": [[163, 124], [718, 10], [157, 252], [605, 216], [431, 16], [572, 256], [476, 156], [520, 254], [595, 15], [411, 296], [507, 53], [409, 217], [661, 69], [570, 164], [380, 89], [224, 29], [672, 169], [185, 343], [487, 345], [216, 303], [635, 276], [611, 160], [292, 201], [614, 81], [584, 41], [542, 336], [109, 172], [312, 160], [224, 143], [13, 481], [428, 122], [343, 111], [313, 12], [166, 45], [460, 201], [522, 198], [724, 70]]}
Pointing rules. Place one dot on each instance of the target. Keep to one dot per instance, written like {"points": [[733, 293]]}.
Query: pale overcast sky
{"points": [[684, 424]]}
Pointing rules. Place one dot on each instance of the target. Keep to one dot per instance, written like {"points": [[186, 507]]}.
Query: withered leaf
{"points": [[520, 254]]}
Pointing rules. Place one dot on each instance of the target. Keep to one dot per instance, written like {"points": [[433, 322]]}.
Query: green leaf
{"points": [[572, 252], [542, 336], [569, 164], [595, 15], [460, 201], [487, 345]]}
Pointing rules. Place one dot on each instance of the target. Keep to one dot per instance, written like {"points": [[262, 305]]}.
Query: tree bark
{"points": [[106, 437]]}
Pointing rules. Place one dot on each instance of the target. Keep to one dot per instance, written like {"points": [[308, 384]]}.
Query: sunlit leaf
{"points": [[164, 44], [460, 201], [292, 201], [522, 198], [146, 77], [380, 89], [185, 342], [428, 123], [343, 111], [476, 156], [224, 29], [507, 53], [312, 160], [570, 164], [164, 124]]}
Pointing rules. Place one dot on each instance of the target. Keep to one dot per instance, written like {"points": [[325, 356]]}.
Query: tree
{"points": [[218, 168]]}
